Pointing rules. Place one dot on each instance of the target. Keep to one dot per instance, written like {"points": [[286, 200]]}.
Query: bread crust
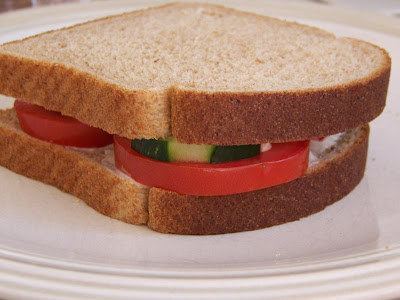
{"points": [[277, 117], [72, 172], [322, 185], [221, 118]]}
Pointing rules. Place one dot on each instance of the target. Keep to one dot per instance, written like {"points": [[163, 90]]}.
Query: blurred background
{"points": [[7, 5], [388, 7]]}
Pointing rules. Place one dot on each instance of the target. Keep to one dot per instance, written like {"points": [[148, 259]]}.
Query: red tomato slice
{"points": [[53, 127], [283, 163]]}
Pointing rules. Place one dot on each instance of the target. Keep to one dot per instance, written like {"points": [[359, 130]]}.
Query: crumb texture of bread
{"points": [[76, 172], [146, 73], [323, 184]]}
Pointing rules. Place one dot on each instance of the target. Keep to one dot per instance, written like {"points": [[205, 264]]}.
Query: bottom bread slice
{"points": [[91, 176]]}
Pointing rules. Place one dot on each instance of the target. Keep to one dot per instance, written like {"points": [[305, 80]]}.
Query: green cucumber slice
{"points": [[173, 151], [189, 152], [155, 149], [232, 153]]}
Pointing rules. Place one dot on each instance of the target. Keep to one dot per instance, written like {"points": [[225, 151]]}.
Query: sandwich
{"points": [[193, 118]]}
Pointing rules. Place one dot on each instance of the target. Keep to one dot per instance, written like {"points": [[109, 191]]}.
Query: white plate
{"points": [[54, 246]]}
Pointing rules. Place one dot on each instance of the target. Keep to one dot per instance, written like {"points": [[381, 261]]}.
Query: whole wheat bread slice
{"points": [[91, 176], [204, 73]]}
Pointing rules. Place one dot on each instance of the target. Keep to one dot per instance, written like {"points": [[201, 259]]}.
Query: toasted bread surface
{"points": [[323, 184], [218, 76]]}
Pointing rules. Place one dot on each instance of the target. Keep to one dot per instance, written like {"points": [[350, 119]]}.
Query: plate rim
{"points": [[390, 257]]}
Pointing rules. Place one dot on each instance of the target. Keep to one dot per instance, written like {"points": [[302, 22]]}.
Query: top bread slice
{"points": [[203, 73]]}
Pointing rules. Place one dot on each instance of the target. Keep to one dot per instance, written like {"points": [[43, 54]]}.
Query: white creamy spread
{"points": [[265, 147], [109, 162], [318, 147], [88, 150]]}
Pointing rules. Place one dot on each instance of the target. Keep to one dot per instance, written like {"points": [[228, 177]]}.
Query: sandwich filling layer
{"points": [[204, 170], [83, 174]]}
